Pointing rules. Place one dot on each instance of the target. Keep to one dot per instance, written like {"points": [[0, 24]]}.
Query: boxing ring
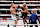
{"points": [[10, 22]]}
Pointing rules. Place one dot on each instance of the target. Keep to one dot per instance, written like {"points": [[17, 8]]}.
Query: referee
{"points": [[33, 18]]}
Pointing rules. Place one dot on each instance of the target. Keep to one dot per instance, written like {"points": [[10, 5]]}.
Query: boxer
{"points": [[24, 12], [13, 12]]}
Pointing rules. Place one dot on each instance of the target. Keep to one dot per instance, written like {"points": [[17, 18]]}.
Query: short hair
{"points": [[24, 2], [34, 12], [11, 4]]}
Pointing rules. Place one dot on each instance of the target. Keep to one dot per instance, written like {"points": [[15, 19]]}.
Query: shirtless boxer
{"points": [[13, 12], [24, 12]]}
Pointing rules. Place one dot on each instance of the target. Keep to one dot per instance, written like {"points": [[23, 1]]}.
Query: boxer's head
{"points": [[12, 5], [24, 4], [35, 10]]}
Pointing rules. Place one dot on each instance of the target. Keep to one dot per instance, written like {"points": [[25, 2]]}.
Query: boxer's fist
{"points": [[22, 11]]}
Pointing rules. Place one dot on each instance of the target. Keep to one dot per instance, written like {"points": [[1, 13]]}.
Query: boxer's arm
{"points": [[26, 10], [11, 10], [14, 13], [17, 5]]}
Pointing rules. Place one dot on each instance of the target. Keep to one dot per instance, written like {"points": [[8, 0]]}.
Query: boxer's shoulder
{"points": [[26, 7], [10, 7]]}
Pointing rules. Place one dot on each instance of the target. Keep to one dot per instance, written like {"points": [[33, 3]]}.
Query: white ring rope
{"points": [[6, 1], [26, 1], [20, 4], [10, 14], [20, 9]]}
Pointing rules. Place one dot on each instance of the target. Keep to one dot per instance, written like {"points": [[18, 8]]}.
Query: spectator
{"points": [[29, 3]]}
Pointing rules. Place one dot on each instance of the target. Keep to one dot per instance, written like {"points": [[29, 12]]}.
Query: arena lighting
{"points": [[25, 1], [20, 4], [6, 1], [19, 9]]}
